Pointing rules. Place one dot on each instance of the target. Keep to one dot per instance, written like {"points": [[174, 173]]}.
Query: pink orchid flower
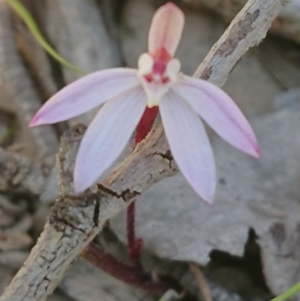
{"points": [[126, 93]]}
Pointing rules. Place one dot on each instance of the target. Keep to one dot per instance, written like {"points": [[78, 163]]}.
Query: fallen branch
{"points": [[287, 24], [19, 87], [75, 220]]}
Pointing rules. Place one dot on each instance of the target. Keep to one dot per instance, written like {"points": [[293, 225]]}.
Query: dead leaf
{"points": [[176, 224]]}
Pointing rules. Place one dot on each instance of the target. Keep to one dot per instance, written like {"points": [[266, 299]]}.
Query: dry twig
{"points": [[20, 174], [287, 24], [202, 283]]}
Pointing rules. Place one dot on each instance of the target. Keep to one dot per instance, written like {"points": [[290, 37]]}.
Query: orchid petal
{"points": [[166, 28], [107, 136], [85, 94], [189, 144], [220, 112]]}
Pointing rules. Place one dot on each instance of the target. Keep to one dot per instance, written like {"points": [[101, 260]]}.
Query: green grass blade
{"points": [[29, 21], [288, 293]]}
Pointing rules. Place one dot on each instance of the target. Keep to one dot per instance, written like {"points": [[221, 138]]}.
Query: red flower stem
{"points": [[131, 224], [142, 129], [130, 275]]}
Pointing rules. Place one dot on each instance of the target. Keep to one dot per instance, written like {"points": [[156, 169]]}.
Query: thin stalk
{"points": [[142, 130], [128, 274]]}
